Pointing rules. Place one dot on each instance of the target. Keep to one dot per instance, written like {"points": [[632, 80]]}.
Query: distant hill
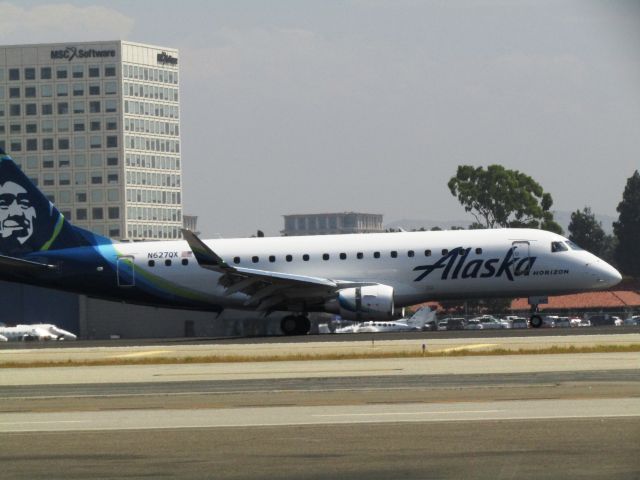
{"points": [[562, 217]]}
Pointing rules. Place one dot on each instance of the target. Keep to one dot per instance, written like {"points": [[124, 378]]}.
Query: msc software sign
{"points": [[70, 53], [165, 59]]}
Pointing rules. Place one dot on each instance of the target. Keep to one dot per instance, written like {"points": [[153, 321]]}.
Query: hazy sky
{"points": [[370, 105]]}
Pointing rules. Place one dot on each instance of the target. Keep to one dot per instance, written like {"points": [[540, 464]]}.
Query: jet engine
{"points": [[363, 303]]}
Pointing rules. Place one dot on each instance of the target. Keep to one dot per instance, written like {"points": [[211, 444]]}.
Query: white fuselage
{"points": [[420, 266]]}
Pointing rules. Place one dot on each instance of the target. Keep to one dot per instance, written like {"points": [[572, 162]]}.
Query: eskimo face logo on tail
{"points": [[17, 213], [454, 265]]}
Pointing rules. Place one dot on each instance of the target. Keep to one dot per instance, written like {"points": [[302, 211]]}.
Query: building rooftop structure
{"points": [[614, 299], [332, 223]]}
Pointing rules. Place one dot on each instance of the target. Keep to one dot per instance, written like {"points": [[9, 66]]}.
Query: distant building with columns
{"points": [[332, 223]]}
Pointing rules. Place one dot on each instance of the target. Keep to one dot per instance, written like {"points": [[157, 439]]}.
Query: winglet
{"points": [[205, 257]]}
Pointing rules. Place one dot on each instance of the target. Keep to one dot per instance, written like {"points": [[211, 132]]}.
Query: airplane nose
{"points": [[607, 275]]}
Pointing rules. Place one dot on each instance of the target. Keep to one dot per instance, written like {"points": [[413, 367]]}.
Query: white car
{"points": [[442, 325], [519, 322], [562, 322], [617, 321], [488, 322], [473, 325], [506, 323], [632, 321], [549, 321]]}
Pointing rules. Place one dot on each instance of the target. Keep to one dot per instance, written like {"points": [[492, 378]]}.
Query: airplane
{"points": [[411, 324], [36, 332], [358, 276]]}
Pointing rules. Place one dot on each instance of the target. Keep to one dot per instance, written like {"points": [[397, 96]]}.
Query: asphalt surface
{"points": [[552, 424], [319, 391], [595, 448], [514, 417]]}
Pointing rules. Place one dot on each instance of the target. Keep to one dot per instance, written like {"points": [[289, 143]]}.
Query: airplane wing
{"points": [[19, 266], [267, 289]]}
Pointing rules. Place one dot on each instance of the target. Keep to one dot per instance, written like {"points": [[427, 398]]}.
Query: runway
{"points": [[291, 415], [513, 417], [580, 448]]}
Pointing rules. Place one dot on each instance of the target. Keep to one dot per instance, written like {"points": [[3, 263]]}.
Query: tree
{"points": [[498, 197], [476, 226], [587, 232], [627, 228]]}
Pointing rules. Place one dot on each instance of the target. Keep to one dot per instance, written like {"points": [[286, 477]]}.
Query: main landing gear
{"points": [[295, 325]]}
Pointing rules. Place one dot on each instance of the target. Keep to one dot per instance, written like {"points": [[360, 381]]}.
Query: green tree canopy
{"points": [[627, 228], [586, 231], [498, 197]]}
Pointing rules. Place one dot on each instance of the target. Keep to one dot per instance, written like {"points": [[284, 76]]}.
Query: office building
{"points": [[96, 126]]}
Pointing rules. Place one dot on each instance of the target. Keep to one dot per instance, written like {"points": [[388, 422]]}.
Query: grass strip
{"points": [[372, 354]]}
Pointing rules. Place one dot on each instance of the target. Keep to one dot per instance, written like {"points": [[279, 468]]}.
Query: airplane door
{"points": [[126, 272], [521, 252], [520, 249]]}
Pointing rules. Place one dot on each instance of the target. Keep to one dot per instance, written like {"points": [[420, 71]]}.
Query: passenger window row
{"points": [[306, 257], [343, 256], [168, 262]]}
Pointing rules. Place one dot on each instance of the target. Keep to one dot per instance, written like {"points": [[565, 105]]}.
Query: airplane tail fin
{"points": [[29, 222], [421, 317]]}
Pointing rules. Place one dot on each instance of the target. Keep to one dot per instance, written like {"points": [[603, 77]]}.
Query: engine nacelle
{"points": [[364, 303]]}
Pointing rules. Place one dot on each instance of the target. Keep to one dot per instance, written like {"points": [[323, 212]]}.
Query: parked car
{"points": [[549, 321], [442, 325], [506, 323], [473, 325], [602, 320], [455, 323], [489, 322], [617, 321], [633, 321], [562, 322], [519, 322]]}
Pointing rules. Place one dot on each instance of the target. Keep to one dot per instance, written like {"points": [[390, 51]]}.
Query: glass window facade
{"points": [[105, 125]]}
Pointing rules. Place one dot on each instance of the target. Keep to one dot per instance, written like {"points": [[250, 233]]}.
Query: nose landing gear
{"points": [[536, 320]]}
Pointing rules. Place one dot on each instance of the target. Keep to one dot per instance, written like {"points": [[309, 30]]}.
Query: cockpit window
{"points": [[573, 246], [558, 247]]}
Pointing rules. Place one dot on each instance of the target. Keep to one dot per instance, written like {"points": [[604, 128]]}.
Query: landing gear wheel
{"points": [[295, 325], [288, 325], [535, 321], [304, 325]]}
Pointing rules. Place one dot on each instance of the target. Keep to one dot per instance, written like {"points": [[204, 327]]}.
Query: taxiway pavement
{"points": [[522, 416]]}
